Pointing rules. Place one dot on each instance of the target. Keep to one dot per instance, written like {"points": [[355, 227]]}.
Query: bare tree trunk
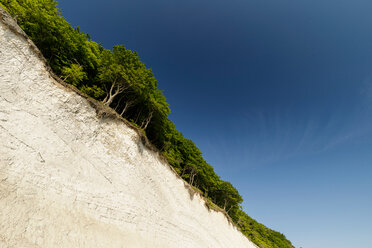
{"points": [[224, 207], [191, 181], [108, 95], [192, 176], [64, 80], [139, 113], [118, 104], [111, 95], [115, 90], [230, 209], [127, 105], [146, 122], [104, 100]]}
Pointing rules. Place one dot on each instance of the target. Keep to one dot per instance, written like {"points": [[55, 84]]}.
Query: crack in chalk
{"points": [[41, 158], [6, 130], [23, 111], [81, 155], [5, 99]]}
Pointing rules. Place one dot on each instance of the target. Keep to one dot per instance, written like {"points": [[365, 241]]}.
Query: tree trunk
{"points": [[226, 202], [104, 100], [230, 209], [64, 80], [146, 122], [139, 113], [115, 90], [118, 104], [192, 176], [127, 105]]}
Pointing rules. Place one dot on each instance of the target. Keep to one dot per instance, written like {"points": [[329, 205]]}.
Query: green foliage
{"points": [[258, 233], [119, 79], [73, 74], [93, 91]]}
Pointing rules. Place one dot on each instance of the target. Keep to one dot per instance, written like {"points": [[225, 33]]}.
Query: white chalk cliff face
{"points": [[71, 179]]}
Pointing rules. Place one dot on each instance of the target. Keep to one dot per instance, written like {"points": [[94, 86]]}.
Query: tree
{"points": [[74, 74], [227, 196], [120, 79], [112, 75]]}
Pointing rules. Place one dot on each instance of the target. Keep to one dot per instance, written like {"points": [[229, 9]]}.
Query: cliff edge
{"points": [[72, 178]]}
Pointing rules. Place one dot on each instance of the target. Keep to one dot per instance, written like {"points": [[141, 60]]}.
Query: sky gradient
{"points": [[276, 94]]}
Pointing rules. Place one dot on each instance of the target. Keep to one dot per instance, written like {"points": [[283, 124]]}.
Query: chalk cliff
{"points": [[72, 178]]}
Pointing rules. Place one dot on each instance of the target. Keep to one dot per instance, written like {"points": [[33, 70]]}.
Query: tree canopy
{"points": [[120, 80]]}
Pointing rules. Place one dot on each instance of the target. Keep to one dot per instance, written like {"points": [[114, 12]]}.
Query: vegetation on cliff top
{"points": [[120, 80]]}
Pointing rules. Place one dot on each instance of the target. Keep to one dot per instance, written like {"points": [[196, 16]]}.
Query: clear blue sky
{"points": [[276, 94]]}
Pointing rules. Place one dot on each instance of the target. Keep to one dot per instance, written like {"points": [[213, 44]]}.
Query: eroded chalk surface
{"points": [[71, 179]]}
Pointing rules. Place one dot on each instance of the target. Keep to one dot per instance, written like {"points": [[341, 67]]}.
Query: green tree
{"points": [[73, 74], [121, 80]]}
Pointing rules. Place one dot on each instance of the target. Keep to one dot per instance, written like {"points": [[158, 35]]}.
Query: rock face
{"points": [[71, 179]]}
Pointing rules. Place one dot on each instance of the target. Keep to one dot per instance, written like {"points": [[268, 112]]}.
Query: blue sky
{"points": [[276, 94]]}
